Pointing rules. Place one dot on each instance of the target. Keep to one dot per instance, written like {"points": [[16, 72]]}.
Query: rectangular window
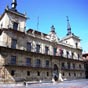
{"points": [[15, 26], [28, 73], [54, 51], [28, 61], [78, 56], [61, 52], [72, 55], [37, 48], [73, 66], [63, 65], [68, 64], [80, 66], [69, 74], [13, 60], [74, 74], [13, 44], [63, 74], [12, 72], [76, 44], [38, 63], [38, 73], [47, 63], [46, 50], [28, 46], [67, 54], [47, 73]]}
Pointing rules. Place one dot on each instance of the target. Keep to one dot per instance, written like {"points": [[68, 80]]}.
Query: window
{"points": [[61, 52], [13, 60], [28, 61], [72, 55], [68, 64], [13, 44], [73, 66], [38, 73], [46, 50], [80, 74], [38, 63], [63, 74], [63, 65], [47, 73], [76, 44], [78, 56], [28, 73], [74, 74], [80, 66], [28, 46], [54, 51], [37, 48], [47, 63], [15, 26], [67, 54], [12, 72], [69, 74]]}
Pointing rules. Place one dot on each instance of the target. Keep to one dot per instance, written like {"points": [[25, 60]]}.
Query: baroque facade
{"points": [[33, 55]]}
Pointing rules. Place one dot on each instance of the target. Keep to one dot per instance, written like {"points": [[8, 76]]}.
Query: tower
{"points": [[68, 27], [13, 19], [70, 38], [52, 35], [14, 4]]}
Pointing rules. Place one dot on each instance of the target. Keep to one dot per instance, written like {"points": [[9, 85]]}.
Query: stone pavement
{"points": [[81, 83]]}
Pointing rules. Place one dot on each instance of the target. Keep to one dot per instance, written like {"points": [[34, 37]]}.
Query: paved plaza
{"points": [[82, 83]]}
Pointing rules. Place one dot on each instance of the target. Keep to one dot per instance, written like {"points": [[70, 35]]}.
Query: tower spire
{"points": [[14, 4], [52, 28], [68, 27]]}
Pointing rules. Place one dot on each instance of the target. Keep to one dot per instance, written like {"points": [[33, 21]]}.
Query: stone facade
{"points": [[32, 55], [85, 58]]}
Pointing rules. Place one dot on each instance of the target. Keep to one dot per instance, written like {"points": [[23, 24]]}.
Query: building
{"points": [[33, 55], [85, 58]]}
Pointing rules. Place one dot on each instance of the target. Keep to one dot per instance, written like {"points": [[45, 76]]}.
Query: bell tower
{"points": [[70, 37], [13, 19], [68, 27], [14, 4]]}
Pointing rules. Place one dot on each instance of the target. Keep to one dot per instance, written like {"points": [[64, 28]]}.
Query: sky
{"points": [[54, 12]]}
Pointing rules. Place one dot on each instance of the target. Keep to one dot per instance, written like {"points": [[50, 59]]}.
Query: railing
{"points": [[33, 49], [18, 28], [26, 65], [66, 68]]}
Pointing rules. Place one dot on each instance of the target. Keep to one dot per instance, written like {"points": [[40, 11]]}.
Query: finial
{"points": [[14, 4], [68, 26], [67, 18], [52, 28]]}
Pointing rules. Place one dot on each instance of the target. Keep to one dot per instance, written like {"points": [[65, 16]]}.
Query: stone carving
{"points": [[52, 35]]}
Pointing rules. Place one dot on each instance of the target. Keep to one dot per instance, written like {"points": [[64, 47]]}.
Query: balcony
{"points": [[11, 26], [32, 50], [77, 69], [27, 66]]}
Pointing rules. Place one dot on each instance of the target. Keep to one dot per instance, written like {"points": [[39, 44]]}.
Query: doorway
{"points": [[55, 72]]}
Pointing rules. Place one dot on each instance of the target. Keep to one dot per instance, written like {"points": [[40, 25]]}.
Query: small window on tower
{"points": [[15, 26], [76, 44]]}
